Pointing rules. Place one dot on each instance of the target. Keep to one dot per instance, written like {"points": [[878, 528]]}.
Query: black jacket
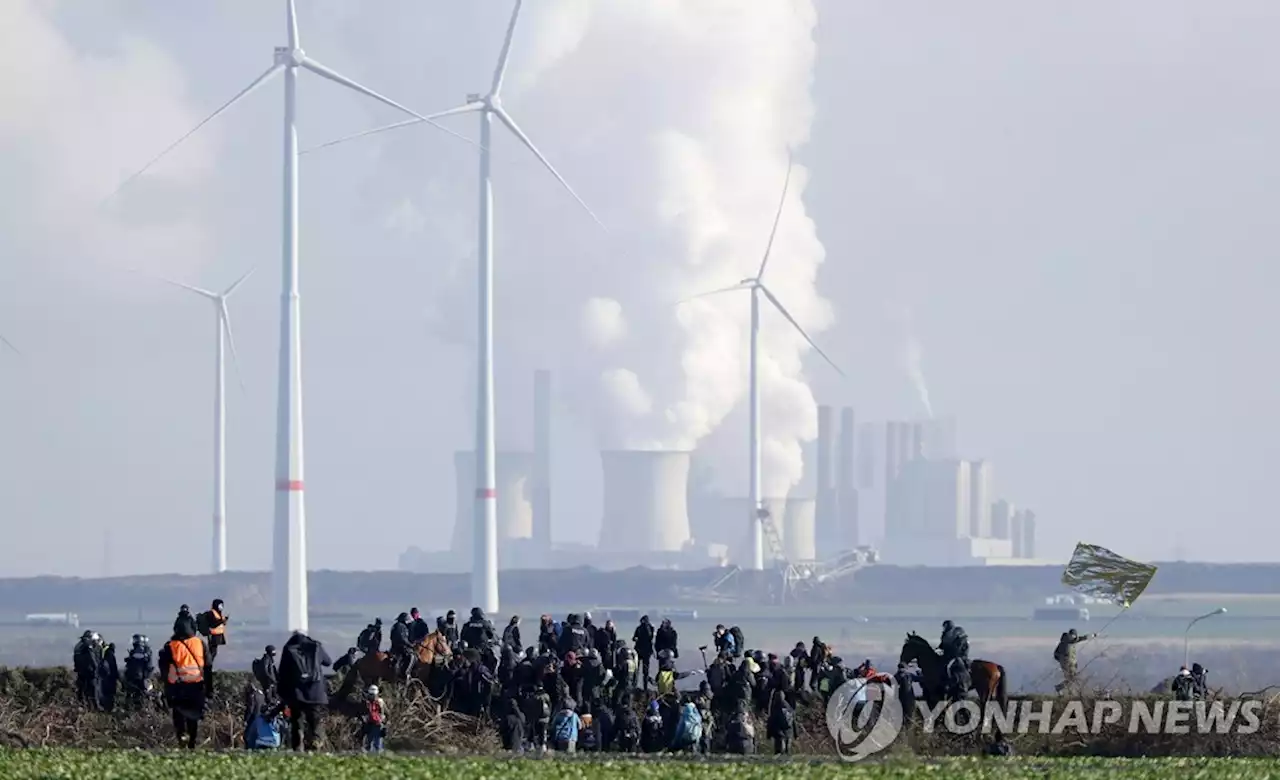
{"points": [[418, 630], [138, 665], [643, 639], [294, 688], [477, 632], [605, 639], [264, 671], [401, 638], [574, 639], [666, 638], [511, 638]]}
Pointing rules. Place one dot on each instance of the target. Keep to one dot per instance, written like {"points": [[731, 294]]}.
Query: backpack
{"points": [[202, 623], [738, 641], [305, 663], [666, 682], [262, 734], [689, 727], [375, 712], [786, 718], [544, 706], [564, 725]]}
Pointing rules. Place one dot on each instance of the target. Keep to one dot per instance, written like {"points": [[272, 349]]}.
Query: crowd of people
{"points": [[576, 686]]}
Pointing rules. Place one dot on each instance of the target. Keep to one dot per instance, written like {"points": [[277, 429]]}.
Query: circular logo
{"points": [[864, 717]]}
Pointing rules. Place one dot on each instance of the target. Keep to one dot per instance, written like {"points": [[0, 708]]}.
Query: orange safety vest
{"points": [[187, 664], [221, 628]]}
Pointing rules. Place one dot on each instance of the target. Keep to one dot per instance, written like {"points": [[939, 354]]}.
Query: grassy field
{"points": [[232, 766]]}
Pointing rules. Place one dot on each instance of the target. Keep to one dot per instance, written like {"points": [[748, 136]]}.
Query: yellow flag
{"points": [[1098, 572]]}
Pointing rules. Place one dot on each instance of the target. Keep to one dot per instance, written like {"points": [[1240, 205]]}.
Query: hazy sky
{"points": [[1074, 204]]}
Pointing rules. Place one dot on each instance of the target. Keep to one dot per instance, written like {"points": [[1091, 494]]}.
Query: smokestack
{"points": [[1028, 534], [847, 536], [906, 448], [979, 499], [866, 461], [798, 538], [890, 452], [513, 472], [917, 441], [541, 485], [826, 510], [645, 500]]}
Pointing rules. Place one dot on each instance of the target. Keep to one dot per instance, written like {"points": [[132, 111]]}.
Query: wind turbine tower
{"points": [[289, 569], [757, 287], [484, 564], [224, 339]]}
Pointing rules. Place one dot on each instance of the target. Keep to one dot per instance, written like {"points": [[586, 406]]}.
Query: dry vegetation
{"points": [[38, 709]]}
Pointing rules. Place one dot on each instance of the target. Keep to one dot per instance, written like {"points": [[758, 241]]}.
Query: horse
{"points": [[988, 678], [432, 651]]}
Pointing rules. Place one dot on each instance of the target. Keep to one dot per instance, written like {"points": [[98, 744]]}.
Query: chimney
{"points": [[847, 537], [540, 490], [646, 500], [906, 447], [890, 453], [1002, 513], [826, 511], [917, 441], [866, 463], [979, 499]]}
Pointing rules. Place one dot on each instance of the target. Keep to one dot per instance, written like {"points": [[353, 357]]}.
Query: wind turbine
{"points": [[220, 413], [289, 569], [484, 564], [757, 287], [9, 344]]}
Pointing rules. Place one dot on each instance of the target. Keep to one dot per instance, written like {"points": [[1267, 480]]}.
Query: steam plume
{"points": [[699, 103]]}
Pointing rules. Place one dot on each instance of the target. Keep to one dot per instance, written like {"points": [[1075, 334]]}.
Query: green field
{"points": [[232, 766]]}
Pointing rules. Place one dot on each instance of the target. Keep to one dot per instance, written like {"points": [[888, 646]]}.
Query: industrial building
{"points": [[938, 509]]}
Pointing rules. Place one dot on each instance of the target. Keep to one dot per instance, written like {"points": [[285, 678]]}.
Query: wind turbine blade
{"points": [[197, 290], [501, 71], [231, 340], [9, 344], [467, 109], [294, 41], [778, 305], [338, 78], [734, 288], [776, 219], [227, 292], [239, 96], [524, 139]]}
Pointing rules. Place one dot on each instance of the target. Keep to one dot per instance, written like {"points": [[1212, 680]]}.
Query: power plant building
{"points": [[514, 471], [645, 501]]}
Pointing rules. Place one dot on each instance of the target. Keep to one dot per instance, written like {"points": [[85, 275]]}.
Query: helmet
{"points": [[1072, 633], [271, 649], [477, 613], [946, 624], [377, 621], [87, 635], [372, 690], [403, 617]]}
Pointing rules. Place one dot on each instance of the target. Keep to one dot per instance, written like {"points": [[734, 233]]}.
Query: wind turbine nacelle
{"points": [[473, 97]]}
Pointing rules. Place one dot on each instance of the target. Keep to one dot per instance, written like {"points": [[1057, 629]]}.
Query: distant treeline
{"points": [[331, 590]]}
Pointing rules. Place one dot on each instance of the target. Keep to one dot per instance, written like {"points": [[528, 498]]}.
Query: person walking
{"points": [[185, 663], [302, 688]]}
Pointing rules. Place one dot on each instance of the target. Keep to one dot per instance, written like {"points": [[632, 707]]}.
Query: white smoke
{"points": [[912, 357], [602, 322], [696, 110]]}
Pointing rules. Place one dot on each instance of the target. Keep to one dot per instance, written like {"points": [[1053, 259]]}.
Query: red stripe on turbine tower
{"points": [[483, 493], [291, 485]]}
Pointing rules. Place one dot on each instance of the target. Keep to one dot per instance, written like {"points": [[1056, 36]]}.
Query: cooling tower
{"points": [[798, 536], [646, 505], [979, 499], [514, 471], [1028, 533], [826, 512], [846, 483], [540, 491]]}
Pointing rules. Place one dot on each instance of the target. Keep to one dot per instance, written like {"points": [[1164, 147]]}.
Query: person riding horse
{"points": [[954, 646]]}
